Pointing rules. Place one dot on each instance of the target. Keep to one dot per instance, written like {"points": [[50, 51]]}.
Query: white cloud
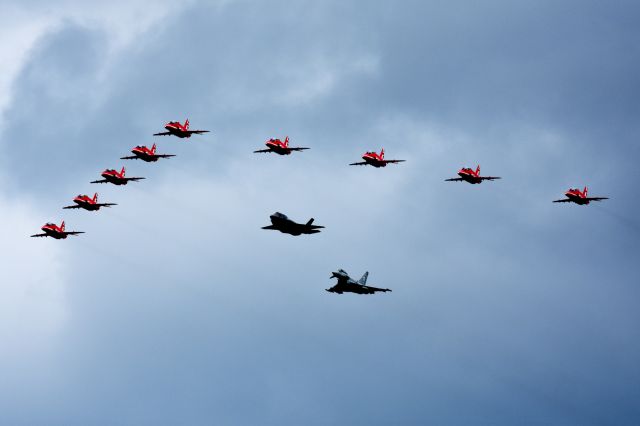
{"points": [[32, 277]]}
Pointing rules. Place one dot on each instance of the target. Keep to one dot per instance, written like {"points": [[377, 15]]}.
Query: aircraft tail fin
{"points": [[62, 226], [122, 171], [186, 124], [363, 280], [382, 153], [310, 222], [585, 191], [153, 149], [478, 170], [286, 141], [95, 197]]}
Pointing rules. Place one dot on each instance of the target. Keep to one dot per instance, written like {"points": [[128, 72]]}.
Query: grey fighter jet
{"points": [[349, 285], [280, 222]]}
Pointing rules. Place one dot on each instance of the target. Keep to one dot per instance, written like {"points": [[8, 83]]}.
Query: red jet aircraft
{"points": [[468, 175], [376, 160], [279, 147], [87, 203], [145, 154], [54, 231], [112, 176], [179, 130], [579, 197]]}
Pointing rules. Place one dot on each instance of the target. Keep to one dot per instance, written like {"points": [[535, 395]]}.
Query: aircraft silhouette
{"points": [[468, 175], [87, 203], [280, 222], [346, 284], [54, 231], [376, 160], [279, 147], [578, 197], [145, 154], [180, 130], [112, 176]]}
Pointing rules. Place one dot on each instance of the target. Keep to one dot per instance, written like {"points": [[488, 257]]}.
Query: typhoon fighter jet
{"points": [[145, 154], [112, 176], [376, 160], [279, 147], [54, 231], [280, 222], [574, 195], [88, 203], [180, 130], [468, 175], [349, 285]]}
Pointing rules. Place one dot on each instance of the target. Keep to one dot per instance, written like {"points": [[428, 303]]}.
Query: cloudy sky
{"points": [[175, 308]]}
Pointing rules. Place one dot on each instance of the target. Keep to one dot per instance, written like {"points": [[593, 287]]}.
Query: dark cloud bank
{"points": [[506, 309]]}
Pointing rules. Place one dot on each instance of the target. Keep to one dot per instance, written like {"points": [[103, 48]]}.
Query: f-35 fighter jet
{"points": [[349, 285], [280, 222]]}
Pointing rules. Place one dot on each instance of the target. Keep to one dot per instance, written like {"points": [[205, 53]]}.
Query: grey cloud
{"points": [[506, 308]]}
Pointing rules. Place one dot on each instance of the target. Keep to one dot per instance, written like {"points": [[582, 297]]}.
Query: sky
{"points": [[176, 308]]}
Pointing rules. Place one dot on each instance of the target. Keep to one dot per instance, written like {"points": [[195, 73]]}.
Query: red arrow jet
{"points": [[179, 130], [376, 160], [145, 154], [112, 176], [579, 197], [54, 231], [468, 175], [279, 147], [87, 203]]}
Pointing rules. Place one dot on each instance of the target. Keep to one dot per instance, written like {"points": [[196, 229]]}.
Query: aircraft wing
{"points": [[39, 235], [74, 233], [135, 179], [131, 157], [72, 207], [362, 163], [261, 151], [393, 161], [454, 180], [269, 227], [197, 132], [597, 198], [100, 181], [298, 149], [162, 134], [564, 200], [489, 177], [164, 155], [375, 289], [106, 204]]}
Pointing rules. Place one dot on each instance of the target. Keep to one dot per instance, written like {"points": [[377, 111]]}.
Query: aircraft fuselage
{"points": [[177, 131], [116, 180], [87, 206], [470, 178], [374, 161]]}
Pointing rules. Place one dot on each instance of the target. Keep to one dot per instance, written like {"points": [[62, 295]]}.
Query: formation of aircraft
{"points": [[376, 160], [346, 284], [280, 222], [468, 175], [88, 203], [279, 147], [54, 231], [141, 152], [574, 195], [116, 178], [180, 130]]}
